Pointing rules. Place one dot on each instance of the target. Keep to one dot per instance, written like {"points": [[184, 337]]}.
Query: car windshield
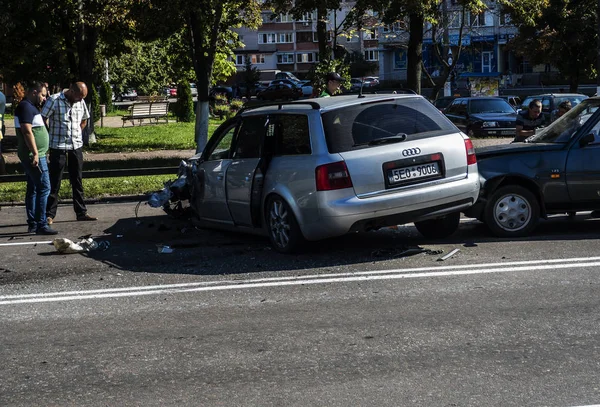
{"points": [[490, 106], [567, 126], [366, 124]]}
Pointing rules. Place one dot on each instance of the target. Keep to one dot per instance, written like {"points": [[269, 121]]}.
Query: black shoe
{"points": [[31, 229], [85, 217], [46, 230]]}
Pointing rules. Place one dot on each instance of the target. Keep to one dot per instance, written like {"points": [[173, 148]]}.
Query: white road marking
{"points": [[532, 265], [26, 243]]}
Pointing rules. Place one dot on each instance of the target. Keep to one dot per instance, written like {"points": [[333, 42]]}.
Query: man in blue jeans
{"points": [[32, 139]]}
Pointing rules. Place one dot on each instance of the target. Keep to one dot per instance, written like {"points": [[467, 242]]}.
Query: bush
{"points": [[184, 107], [95, 101], [106, 96], [221, 111], [236, 104]]}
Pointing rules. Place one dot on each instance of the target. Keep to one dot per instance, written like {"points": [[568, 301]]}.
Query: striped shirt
{"points": [[64, 121]]}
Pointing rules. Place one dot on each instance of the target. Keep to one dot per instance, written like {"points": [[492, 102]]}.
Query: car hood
{"points": [[494, 116], [515, 148]]}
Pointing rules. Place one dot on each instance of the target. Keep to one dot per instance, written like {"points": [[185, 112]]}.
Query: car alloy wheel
{"points": [[512, 211], [284, 232]]}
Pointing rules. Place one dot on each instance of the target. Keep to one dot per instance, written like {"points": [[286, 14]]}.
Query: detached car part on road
{"points": [[325, 167], [554, 171]]}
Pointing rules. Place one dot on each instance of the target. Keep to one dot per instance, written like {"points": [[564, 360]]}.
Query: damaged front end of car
{"points": [[176, 195]]}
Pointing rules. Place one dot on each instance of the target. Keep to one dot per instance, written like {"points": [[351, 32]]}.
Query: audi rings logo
{"points": [[411, 151]]}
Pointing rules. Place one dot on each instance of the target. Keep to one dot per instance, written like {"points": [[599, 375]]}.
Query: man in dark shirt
{"points": [[529, 121]]}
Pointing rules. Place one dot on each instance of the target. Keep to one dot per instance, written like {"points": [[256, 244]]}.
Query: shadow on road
{"points": [[134, 246]]}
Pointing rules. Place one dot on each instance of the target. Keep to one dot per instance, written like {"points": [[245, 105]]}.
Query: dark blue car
{"points": [[483, 116], [555, 171]]}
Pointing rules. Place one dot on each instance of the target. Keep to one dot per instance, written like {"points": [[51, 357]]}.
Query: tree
{"points": [[251, 76], [208, 26], [414, 14], [558, 32]]}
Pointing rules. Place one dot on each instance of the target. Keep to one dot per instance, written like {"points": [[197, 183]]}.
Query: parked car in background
{"points": [[555, 171], [355, 84], [550, 102], [512, 100], [306, 89], [280, 91], [286, 75], [320, 168], [173, 92], [125, 94], [483, 116], [194, 90], [443, 102]]}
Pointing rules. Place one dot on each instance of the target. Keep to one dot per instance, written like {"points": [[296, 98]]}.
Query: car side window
{"points": [[249, 138], [292, 134], [452, 108], [222, 147], [461, 109], [546, 104]]}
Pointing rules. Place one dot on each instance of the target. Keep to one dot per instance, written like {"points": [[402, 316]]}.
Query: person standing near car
{"points": [[528, 121], [333, 80], [32, 139], [66, 115]]}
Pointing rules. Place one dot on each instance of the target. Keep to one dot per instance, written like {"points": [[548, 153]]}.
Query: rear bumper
{"points": [[340, 215]]}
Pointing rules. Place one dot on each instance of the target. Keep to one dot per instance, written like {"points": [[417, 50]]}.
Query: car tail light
{"points": [[333, 176], [471, 158]]}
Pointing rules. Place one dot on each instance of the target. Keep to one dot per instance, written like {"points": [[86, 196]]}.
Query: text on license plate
{"points": [[413, 172]]}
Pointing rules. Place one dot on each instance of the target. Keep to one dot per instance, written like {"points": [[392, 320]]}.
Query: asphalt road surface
{"points": [[356, 321]]}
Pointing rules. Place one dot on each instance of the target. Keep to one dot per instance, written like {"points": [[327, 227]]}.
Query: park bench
{"points": [[151, 110]]}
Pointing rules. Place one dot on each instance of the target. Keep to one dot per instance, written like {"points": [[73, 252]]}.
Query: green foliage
{"points": [[319, 72], [222, 111], [184, 107], [557, 32], [251, 75], [106, 96], [236, 104], [95, 101]]}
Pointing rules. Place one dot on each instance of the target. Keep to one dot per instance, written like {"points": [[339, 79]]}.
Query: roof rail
{"points": [[313, 105]]}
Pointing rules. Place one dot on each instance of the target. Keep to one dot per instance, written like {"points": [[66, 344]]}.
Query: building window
{"points": [[287, 58], [239, 59], [268, 17], [286, 38], [352, 38], [285, 18], [267, 38], [316, 39], [308, 17], [371, 34], [371, 55], [258, 58], [505, 19], [454, 19], [477, 20], [304, 36], [306, 57]]}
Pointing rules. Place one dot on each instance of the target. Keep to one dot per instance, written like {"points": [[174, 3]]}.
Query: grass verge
{"points": [[172, 136]]}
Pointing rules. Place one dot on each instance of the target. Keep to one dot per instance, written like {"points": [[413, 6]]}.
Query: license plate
{"points": [[508, 132], [413, 172]]}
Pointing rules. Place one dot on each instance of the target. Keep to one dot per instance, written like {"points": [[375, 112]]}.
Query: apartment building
{"points": [[285, 44], [484, 44]]}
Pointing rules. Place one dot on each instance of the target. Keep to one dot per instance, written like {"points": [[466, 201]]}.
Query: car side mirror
{"points": [[585, 140]]}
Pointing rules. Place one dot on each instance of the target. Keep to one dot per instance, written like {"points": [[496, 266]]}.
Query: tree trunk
{"points": [[322, 31], [415, 52], [203, 59]]}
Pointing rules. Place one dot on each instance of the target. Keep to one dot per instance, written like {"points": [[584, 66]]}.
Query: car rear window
{"points": [[353, 127]]}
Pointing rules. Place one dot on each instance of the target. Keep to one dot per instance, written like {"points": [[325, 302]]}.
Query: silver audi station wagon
{"points": [[320, 168]]}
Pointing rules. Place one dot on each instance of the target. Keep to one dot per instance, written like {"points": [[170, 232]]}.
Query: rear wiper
{"points": [[384, 140]]}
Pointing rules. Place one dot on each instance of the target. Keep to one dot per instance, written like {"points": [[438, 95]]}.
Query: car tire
{"points": [[283, 229], [512, 211], [440, 227]]}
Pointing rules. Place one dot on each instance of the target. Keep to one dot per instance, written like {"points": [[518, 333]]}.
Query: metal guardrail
{"points": [[130, 172]]}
